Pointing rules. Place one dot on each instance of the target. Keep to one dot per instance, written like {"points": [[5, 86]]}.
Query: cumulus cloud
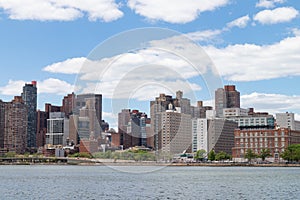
{"points": [[239, 62], [268, 3], [278, 15], [250, 62], [272, 103], [48, 86], [69, 66], [296, 32], [175, 11], [239, 22], [205, 35], [54, 86], [164, 64], [13, 87], [67, 10]]}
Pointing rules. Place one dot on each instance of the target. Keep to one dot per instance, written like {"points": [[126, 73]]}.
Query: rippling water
{"points": [[102, 182]]}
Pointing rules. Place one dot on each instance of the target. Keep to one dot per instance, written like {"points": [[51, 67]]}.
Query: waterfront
{"points": [[102, 182]]}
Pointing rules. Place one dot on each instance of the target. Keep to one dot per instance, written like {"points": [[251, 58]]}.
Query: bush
{"points": [[10, 154]]}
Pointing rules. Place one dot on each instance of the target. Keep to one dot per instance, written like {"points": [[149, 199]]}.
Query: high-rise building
{"points": [[175, 135], [213, 134], [287, 120], [52, 108], [227, 97], [199, 111], [68, 104], [95, 99], [29, 96], [160, 105], [132, 127], [41, 128], [57, 129], [73, 129], [13, 122], [2, 123]]}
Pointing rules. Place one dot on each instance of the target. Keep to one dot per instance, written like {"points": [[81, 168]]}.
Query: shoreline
{"points": [[111, 162]]}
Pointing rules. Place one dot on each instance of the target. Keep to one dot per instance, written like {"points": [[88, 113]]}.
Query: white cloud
{"points": [[67, 10], [69, 66], [240, 62], [272, 103], [48, 86], [296, 32], [54, 86], [278, 15], [203, 35], [240, 22], [13, 88], [164, 64], [268, 3], [175, 11], [250, 62]]}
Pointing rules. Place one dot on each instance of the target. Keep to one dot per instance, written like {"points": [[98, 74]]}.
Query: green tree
{"points": [[222, 156], [200, 155], [264, 153], [292, 153], [250, 155], [211, 155]]}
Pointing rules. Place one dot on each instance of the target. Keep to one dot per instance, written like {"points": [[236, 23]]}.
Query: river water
{"points": [[145, 182]]}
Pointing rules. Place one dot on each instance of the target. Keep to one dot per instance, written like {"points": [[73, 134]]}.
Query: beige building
{"points": [[175, 135]]}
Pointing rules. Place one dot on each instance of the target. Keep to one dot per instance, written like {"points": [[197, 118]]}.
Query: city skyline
{"points": [[252, 44]]}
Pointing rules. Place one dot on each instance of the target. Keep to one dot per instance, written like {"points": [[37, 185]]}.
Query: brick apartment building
{"points": [[276, 140]]}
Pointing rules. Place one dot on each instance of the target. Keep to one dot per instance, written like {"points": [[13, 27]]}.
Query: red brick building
{"points": [[276, 140]]}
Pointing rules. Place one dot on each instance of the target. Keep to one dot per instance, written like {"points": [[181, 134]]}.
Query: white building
{"points": [[287, 120], [57, 129], [217, 134], [199, 134]]}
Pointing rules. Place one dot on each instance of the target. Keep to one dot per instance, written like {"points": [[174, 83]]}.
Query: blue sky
{"points": [[253, 44]]}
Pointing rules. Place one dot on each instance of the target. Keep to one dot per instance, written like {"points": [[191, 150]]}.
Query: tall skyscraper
{"points": [[81, 100], [68, 104], [132, 128], [57, 129], [216, 134], [160, 104], [228, 97], [13, 126], [171, 123], [41, 128], [175, 135], [29, 96]]}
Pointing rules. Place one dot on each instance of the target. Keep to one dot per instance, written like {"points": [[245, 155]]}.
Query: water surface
{"points": [[102, 182]]}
